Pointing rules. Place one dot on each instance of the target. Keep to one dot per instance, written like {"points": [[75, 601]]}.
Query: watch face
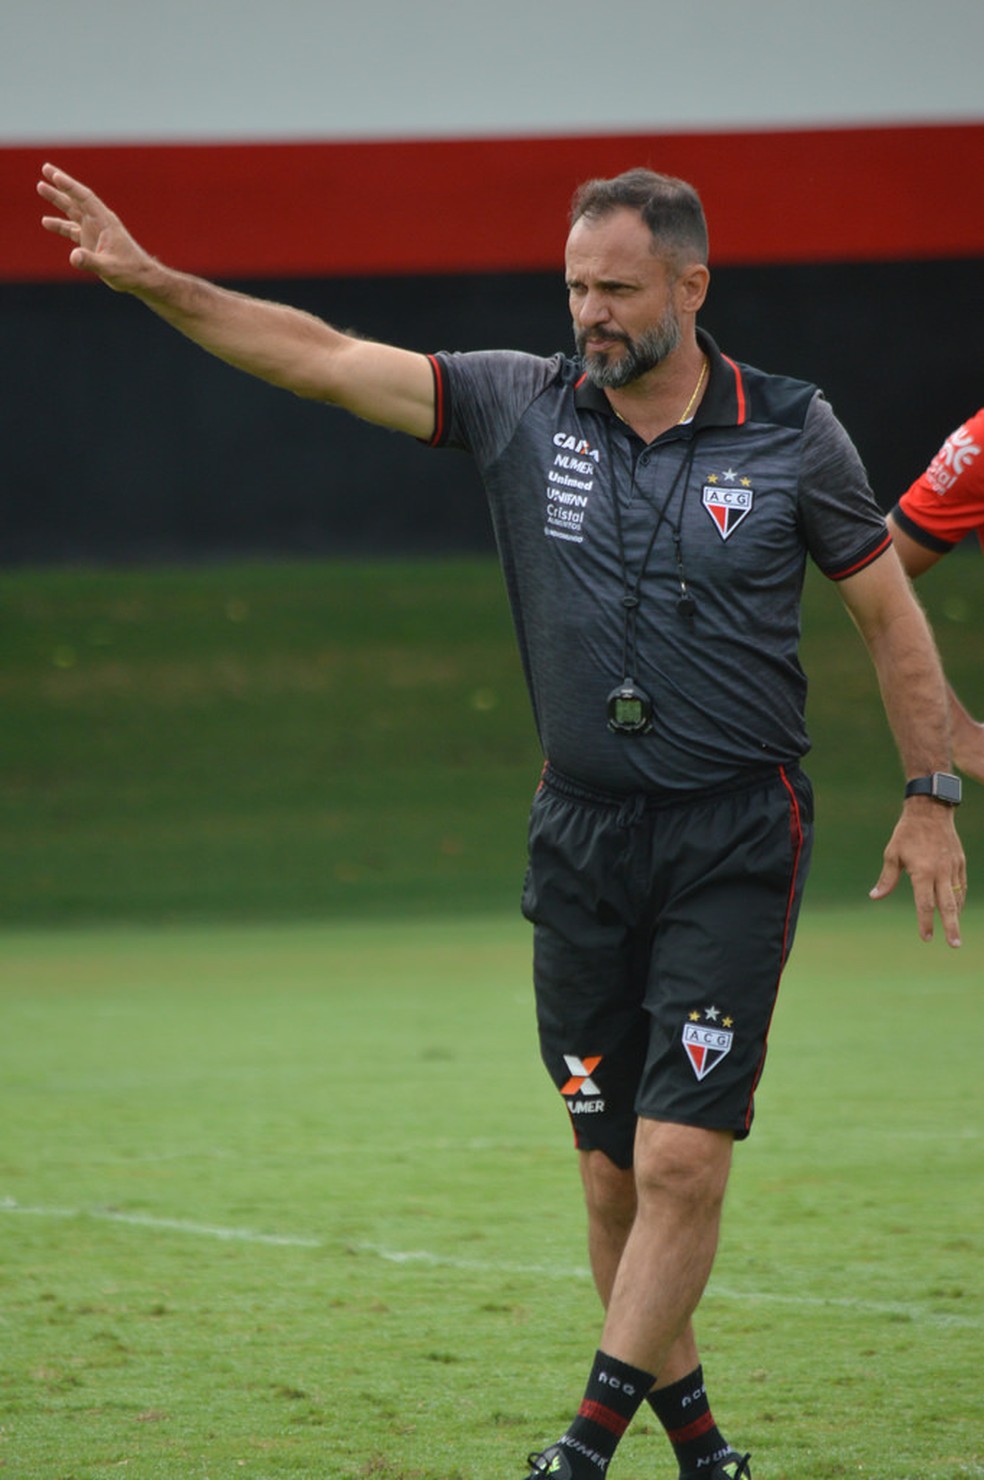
{"points": [[947, 787]]}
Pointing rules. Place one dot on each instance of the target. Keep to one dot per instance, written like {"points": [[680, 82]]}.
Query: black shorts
{"points": [[661, 932]]}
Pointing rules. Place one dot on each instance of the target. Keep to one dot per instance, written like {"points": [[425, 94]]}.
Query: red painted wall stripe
{"points": [[463, 205]]}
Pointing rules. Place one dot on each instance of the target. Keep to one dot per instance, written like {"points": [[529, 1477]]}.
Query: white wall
{"points": [[141, 70]]}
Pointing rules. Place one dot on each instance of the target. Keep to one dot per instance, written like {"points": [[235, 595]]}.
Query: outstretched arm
{"points": [[282, 345], [924, 843], [968, 733]]}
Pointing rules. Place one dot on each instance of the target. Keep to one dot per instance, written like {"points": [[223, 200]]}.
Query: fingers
{"points": [[887, 879], [925, 900], [59, 226], [66, 195], [950, 905], [55, 182], [71, 231], [66, 226], [60, 201], [75, 200], [61, 191], [947, 900], [84, 221], [939, 882], [951, 895]]}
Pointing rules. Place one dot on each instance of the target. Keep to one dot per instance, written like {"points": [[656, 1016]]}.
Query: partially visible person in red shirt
{"points": [[942, 506]]}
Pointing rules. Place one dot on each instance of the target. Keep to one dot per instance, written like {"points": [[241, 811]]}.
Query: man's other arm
{"points": [[968, 733], [924, 843]]}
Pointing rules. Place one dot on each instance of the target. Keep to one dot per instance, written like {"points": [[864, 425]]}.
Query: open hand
{"points": [[926, 847], [101, 243]]}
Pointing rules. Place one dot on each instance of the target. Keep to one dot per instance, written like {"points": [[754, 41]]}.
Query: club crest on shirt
{"points": [[728, 498], [707, 1039]]}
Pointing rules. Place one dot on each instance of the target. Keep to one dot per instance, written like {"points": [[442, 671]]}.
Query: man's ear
{"points": [[692, 287]]}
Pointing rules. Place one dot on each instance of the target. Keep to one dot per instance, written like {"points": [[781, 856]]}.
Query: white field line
{"points": [[169, 1225], [715, 1289], [852, 1306]]}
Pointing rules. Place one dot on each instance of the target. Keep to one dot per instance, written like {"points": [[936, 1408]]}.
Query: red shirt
{"points": [[947, 501]]}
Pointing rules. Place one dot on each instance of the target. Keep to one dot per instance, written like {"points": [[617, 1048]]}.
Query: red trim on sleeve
{"points": [[439, 402], [841, 575]]}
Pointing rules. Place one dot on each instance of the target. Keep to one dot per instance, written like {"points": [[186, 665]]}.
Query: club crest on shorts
{"points": [[707, 1039], [728, 498]]}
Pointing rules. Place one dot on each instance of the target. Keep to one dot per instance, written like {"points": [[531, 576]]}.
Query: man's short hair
{"points": [[670, 208]]}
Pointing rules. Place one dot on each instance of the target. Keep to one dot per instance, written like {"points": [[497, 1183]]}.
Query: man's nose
{"points": [[594, 308]]}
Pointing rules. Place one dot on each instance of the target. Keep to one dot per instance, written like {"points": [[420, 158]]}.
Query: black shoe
{"points": [[733, 1467], [552, 1464]]}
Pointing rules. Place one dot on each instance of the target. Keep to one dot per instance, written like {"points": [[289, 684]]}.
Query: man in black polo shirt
{"points": [[654, 505]]}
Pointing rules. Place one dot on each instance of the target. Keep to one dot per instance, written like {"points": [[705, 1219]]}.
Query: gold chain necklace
{"points": [[690, 404], [696, 392]]}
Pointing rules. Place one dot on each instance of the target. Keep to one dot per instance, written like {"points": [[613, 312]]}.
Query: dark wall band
{"points": [[851, 257], [120, 441]]}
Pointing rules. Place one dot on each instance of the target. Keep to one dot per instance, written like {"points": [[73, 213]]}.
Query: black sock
{"points": [[614, 1392], [683, 1410]]}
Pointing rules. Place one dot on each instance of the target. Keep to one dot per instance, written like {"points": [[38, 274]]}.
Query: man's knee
{"points": [[609, 1190], [682, 1162]]}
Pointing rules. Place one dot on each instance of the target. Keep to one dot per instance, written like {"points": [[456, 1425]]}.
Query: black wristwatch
{"points": [[940, 785]]}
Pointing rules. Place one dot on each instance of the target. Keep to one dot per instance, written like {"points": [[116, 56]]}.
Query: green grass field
{"points": [[298, 1200], [283, 1187], [324, 740]]}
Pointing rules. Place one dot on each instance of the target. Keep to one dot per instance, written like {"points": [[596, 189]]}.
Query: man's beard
{"points": [[640, 356]]}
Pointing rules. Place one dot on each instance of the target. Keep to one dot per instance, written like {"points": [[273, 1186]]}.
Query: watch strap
{"points": [[942, 786]]}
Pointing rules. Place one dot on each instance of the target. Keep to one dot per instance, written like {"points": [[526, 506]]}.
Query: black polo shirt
{"points": [[723, 510]]}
